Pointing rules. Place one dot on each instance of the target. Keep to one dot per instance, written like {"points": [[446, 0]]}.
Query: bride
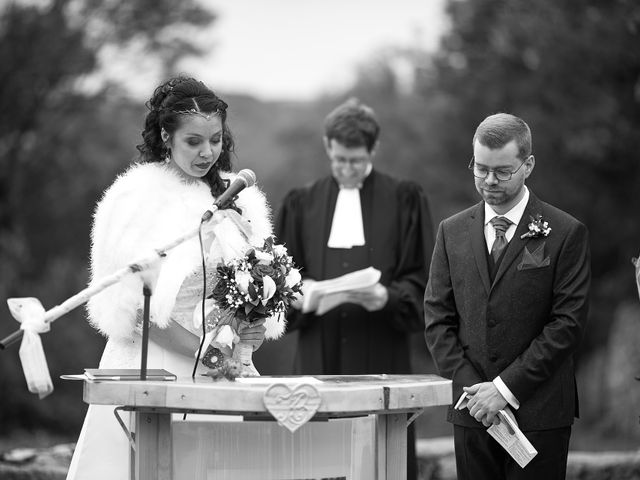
{"points": [[184, 165]]}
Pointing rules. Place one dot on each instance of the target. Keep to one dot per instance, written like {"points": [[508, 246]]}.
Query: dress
{"points": [[399, 240], [145, 208]]}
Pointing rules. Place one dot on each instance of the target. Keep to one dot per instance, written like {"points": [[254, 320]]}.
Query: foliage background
{"points": [[571, 69]]}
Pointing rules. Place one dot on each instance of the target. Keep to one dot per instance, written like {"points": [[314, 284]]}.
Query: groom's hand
{"points": [[485, 402]]}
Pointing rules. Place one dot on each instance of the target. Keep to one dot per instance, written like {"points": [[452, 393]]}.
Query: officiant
{"points": [[354, 218]]}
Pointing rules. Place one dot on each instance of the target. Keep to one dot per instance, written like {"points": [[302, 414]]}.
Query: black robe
{"points": [[399, 242]]}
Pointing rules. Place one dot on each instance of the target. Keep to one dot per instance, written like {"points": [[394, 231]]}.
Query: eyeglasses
{"points": [[353, 162], [501, 174]]}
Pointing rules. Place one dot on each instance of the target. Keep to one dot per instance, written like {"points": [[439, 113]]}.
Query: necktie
{"points": [[500, 225]]}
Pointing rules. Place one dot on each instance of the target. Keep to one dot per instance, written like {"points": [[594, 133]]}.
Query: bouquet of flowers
{"points": [[260, 284]]}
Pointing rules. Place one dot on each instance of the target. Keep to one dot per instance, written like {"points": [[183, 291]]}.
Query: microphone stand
{"points": [[83, 296], [146, 292]]}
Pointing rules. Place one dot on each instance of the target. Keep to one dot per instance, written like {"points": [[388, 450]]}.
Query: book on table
{"points": [[127, 374]]}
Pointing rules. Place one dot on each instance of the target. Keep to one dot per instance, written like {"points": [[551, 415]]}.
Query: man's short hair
{"points": [[353, 124], [497, 130]]}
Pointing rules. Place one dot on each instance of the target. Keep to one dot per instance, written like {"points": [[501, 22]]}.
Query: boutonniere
{"points": [[538, 227]]}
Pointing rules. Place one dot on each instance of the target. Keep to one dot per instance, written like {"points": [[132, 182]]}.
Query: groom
{"points": [[505, 309]]}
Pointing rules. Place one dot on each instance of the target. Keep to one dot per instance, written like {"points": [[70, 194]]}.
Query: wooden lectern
{"points": [[299, 405]]}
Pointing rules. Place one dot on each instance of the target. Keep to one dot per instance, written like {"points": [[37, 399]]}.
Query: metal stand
{"points": [[81, 297], [146, 291]]}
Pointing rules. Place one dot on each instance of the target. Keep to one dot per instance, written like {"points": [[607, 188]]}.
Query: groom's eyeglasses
{"points": [[502, 174]]}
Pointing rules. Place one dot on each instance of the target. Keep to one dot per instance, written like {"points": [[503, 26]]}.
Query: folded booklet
{"points": [[127, 374], [507, 434], [324, 295]]}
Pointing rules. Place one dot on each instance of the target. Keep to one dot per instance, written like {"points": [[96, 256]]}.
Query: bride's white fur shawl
{"points": [[147, 207]]}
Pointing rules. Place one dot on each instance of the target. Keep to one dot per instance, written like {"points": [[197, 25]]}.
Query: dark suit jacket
{"points": [[525, 326], [399, 242]]}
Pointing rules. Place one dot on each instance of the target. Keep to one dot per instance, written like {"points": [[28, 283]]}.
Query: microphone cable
{"points": [[204, 296]]}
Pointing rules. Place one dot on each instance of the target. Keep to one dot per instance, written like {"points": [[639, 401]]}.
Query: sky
{"points": [[299, 49]]}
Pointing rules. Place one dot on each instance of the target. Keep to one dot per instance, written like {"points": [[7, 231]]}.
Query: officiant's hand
{"points": [[252, 333], [372, 299]]}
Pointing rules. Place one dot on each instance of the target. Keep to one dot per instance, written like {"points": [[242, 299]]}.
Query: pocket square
{"points": [[535, 259]]}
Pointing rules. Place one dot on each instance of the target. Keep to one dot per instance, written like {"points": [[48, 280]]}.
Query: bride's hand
{"points": [[299, 297], [189, 296], [252, 333]]}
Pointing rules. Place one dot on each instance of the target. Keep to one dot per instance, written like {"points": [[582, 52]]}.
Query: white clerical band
{"points": [[346, 228]]}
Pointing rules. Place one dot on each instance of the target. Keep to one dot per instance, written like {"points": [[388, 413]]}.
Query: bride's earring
{"points": [[167, 151]]}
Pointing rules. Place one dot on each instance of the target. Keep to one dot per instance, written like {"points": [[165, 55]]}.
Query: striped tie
{"points": [[500, 225]]}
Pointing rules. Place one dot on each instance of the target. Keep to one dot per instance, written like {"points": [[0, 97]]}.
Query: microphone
{"points": [[246, 178]]}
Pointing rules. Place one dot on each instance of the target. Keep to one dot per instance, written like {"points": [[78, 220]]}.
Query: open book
{"points": [[507, 434], [324, 295]]}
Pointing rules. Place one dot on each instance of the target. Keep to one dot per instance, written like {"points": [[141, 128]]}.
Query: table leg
{"points": [[391, 446], [154, 455]]}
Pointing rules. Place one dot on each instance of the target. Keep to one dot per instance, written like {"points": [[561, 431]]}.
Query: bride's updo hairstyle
{"points": [[170, 103]]}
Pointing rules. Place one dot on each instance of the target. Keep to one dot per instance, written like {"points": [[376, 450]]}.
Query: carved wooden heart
{"points": [[292, 408]]}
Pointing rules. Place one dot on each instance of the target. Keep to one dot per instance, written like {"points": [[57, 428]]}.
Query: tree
{"points": [[59, 148]]}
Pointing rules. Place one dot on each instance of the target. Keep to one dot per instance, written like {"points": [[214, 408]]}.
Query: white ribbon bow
{"points": [[31, 315]]}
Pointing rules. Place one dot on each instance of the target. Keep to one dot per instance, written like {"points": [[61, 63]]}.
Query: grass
{"points": [[32, 439]]}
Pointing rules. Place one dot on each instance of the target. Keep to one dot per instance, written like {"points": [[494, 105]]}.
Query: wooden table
{"points": [[390, 398]]}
